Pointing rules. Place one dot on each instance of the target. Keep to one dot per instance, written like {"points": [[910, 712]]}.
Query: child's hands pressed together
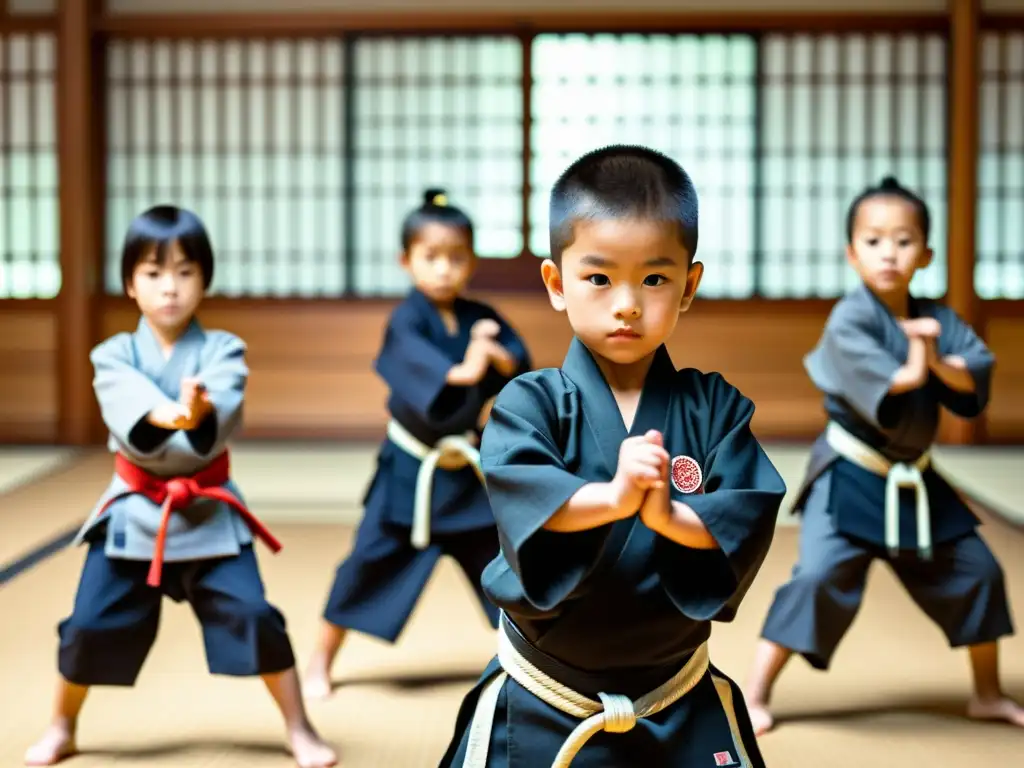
{"points": [[643, 466], [172, 416], [196, 402], [657, 506], [474, 365], [485, 333], [485, 329], [478, 356], [501, 358], [921, 327], [926, 330]]}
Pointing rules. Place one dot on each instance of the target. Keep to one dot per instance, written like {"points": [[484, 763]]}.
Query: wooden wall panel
{"points": [[28, 372], [312, 364], [759, 346], [1005, 336], [312, 373]]}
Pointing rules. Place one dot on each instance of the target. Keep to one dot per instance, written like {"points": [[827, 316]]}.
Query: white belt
{"points": [[613, 712], [897, 475], [450, 445]]}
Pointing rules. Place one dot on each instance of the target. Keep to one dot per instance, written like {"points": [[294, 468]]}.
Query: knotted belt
{"points": [[897, 475], [456, 450], [614, 713], [176, 493]]}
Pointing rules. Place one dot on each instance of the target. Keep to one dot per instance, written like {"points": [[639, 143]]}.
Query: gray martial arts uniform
{"points": [[942, 562], [209, 560]]}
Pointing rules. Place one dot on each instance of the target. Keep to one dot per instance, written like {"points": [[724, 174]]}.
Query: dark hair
{"points": [[889, 187], [434, 210], [620, 182], [161, 226]]}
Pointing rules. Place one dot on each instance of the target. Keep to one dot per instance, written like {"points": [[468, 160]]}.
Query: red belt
{"points": [[176, 493]]}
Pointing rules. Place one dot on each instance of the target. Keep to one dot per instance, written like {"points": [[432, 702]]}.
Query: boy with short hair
{"points": [[633, 503]]}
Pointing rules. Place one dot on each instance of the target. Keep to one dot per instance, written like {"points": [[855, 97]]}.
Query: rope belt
{"points": [[455, 450], [614, 713], [897, 475]]}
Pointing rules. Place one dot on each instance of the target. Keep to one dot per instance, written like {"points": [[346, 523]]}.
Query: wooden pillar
{"points": [[521, 273], [77, 304], [963, 177]]}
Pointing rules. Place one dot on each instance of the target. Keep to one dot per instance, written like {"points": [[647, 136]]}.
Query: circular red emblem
{"points": [[686, 474]]}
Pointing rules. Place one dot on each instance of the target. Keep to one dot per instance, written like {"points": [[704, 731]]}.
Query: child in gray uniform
{"points": [[887, 363], [171, 394]]}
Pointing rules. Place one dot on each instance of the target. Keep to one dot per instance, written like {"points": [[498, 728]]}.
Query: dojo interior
{"points": [[302, 132]]}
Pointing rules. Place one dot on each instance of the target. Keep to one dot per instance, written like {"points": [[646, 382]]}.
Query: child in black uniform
{"points": [[444, 357]]}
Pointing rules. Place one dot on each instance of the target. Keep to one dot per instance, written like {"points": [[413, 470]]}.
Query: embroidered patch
{"points": [[724, 758], [686, 474]]}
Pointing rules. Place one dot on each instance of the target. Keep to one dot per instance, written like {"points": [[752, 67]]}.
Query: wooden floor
{"points": [[894, 697]]}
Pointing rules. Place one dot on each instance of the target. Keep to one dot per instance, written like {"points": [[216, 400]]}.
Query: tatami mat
{"points": [[894, 697], [995, 476], [322, 483], [34, 513], [19, 465], [311, 484], [305, 484]]}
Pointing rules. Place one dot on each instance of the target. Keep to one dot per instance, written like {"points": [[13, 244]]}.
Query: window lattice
{"points": [[999, 265], [434, 112], [692, 97], [249, 134], [29, 191], [839, 113]]}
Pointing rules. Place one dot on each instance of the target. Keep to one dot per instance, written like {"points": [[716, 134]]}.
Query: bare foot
{"points": [[760, 718], [56, 744], [317, 683], [310, 750], [996, 709]]}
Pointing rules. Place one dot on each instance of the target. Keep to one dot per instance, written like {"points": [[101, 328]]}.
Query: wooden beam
{"points": [[1004, 22], [26, 24], [520, 274], [98, 178], [964, 18], [78, 308], [218, 25]]}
